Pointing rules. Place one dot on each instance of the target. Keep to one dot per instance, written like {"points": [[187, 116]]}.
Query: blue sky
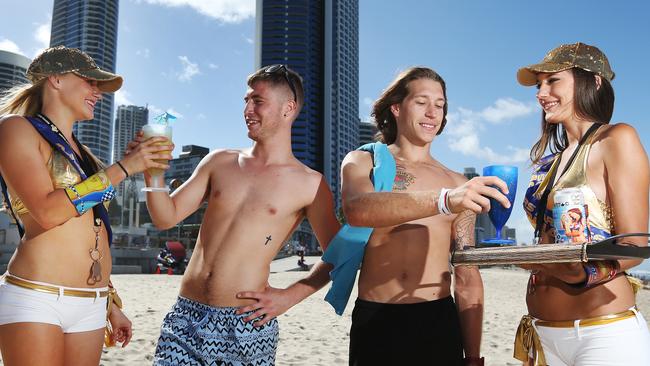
{"points": [[191, 57]]}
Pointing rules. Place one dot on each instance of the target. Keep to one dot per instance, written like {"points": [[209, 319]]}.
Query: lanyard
{"points": [[541, 208], [82, 164]]}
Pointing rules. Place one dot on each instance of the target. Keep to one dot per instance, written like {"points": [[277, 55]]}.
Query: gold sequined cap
{"points": [[565, 57], [61, 60]]}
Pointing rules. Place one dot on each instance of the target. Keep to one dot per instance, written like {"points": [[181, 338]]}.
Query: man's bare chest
{"points": [[257, 194], [420, 178]]}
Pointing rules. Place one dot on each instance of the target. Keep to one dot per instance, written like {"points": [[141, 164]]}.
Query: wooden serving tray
{"points": [[610, 248]]}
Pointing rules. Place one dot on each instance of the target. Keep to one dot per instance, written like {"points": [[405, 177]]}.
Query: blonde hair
{"points": [[24, 99]]}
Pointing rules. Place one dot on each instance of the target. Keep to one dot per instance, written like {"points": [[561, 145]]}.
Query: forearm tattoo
{"points": [[402, 179], [268, 239], [463, 227]]}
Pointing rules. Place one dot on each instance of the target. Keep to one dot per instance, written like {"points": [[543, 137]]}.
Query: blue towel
{"points": [[346, 250]]}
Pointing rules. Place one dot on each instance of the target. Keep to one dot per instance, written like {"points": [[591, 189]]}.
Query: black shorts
{"points": [[425, 333]]}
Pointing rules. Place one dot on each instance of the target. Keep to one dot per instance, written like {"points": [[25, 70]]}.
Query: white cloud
{"points": [[9, 45], [213, 66], [42, 34], [144, 53], [227, 11], [189, 69], [470, 145], [464, 128], [123, 97], [506, 109]]}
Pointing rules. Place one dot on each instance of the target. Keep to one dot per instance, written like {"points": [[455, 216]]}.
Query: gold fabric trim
{"points": [[113, 298], [527, 340], [599, 320], [52, 289]]}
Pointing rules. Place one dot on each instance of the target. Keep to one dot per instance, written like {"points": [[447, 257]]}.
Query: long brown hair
{"points": [[394, 94], [590, 103], [24, 99]]}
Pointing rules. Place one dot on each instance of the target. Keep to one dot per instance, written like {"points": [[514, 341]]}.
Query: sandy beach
{"points": [[311, 333]]}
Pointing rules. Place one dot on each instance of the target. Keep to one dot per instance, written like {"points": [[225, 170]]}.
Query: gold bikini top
{"points": [[62, 174], [601, 216]]}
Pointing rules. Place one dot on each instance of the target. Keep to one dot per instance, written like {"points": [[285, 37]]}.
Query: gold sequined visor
{"points": [[568, 56]]}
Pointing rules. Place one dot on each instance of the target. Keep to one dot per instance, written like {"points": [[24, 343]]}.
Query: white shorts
{"points": [[622, 343], [72, 314]]}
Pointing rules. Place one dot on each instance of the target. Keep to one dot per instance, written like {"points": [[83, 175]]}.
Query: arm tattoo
{"points": [[463, 229], [402, 179], [268, 239]]}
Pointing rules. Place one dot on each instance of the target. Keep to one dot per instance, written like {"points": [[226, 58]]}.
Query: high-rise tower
{"points": [[319, 39], [367, 132], [91, 26], [13, 68], [130, 119]]}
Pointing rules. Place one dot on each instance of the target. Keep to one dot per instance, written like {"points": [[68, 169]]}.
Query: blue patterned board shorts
{"points": [[197, 334]]}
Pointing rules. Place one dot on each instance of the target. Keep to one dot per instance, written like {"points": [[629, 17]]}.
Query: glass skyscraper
{"points": [[319, 39], [130, 119], [367, 132], [91, 26], [13, 68]]}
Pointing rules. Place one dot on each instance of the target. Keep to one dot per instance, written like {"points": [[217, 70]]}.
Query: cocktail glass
{"points": [[153, 130], [499, 214]]}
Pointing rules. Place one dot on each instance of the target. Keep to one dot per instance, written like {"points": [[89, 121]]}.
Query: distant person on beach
{"points": [[584, 313], [405, 313], [256, 198], [300, 252], [56, 296]]}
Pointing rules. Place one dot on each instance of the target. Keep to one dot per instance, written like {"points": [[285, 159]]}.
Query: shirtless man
{"points": [[404, 314], [256, 198]]}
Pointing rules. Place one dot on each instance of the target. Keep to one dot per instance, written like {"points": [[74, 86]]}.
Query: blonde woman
{"points": [[55, 294]]}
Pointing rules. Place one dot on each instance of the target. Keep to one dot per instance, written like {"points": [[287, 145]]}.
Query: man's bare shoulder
{"points": [[221, 156], [447, 174], [358, 157], [458, 178], [310, 175]]}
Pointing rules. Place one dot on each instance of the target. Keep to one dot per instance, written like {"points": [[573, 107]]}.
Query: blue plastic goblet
{"points": [[499, 214]]}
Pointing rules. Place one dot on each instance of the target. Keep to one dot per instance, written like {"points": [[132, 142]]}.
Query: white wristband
{"points": [[442, 202]]}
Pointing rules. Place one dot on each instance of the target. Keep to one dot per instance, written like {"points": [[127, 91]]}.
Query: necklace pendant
{"points": [[95, 254], [95, 273]]}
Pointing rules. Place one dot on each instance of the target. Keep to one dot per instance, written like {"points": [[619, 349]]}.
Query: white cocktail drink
{"points": [[157, 175]]}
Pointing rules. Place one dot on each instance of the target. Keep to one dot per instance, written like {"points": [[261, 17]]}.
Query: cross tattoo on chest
{"points": [[268, 239]]}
